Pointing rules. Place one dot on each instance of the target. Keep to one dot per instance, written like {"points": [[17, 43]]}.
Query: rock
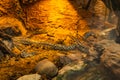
{"points": [[71, 71], [111, 57], [75, 56], [5, 49], [78, 70], [111, 60], [46, 67], [66, 59], [30, 77]]}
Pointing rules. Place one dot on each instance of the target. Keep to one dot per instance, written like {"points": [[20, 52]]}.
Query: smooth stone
{"points": [[30, 77], [46, 67]]}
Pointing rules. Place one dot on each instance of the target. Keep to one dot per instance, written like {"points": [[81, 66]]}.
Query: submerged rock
{"points": [[46, 67], [30, 77]]}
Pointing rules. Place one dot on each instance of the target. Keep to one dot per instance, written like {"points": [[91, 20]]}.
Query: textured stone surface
{"points": [[65, 60], [70, 58], [69, 71], [79, 71], [111, 56]]}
